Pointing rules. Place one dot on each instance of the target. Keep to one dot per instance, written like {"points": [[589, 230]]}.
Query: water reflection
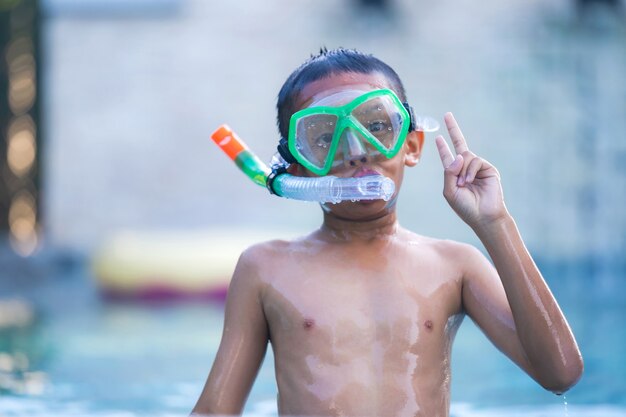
{"points": [[17, 376]]}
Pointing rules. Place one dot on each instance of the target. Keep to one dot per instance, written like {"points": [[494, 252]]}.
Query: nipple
{"points": [[308, 323], [429, 325]]}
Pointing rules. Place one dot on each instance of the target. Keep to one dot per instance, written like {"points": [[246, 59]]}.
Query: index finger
{"points": [[444, 152], [458, 140]]}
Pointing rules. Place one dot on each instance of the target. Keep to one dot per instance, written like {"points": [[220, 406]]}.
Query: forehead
{"points": [[333, 84]]}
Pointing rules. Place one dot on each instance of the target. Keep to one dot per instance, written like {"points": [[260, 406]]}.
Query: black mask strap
{"points": [[409, 109], [283, 150]]}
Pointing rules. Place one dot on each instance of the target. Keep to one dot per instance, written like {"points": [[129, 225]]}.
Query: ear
{"points": [[413, 148]]}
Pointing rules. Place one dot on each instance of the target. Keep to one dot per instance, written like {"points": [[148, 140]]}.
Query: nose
{"points": [[354, 151]]}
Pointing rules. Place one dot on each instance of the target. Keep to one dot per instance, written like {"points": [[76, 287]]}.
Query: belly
{"points": [[376, 383]]}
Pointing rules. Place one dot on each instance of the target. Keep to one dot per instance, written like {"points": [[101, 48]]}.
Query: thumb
{"points": [[451, 173]]}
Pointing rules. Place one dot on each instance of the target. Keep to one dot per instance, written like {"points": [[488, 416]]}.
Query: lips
{"points": [[362, 172]]}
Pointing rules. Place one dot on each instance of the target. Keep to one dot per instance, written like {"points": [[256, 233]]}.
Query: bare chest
{"points": [[362, 306]]}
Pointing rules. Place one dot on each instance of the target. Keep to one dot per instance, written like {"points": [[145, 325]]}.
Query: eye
{"points": [[377, 127], [324, 140]]}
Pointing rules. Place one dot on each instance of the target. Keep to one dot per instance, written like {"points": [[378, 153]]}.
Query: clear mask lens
{"points": [[381, 118], [375, 122], [314, 135]]}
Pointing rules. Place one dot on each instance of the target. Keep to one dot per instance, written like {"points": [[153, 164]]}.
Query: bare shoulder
{"points": [[270, 251], [445, 247], [459, 255], [256, 259], [253, 272], [263, 260], [260, 252]]}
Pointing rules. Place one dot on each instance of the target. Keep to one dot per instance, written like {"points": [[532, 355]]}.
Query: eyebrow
{"points": [[370, 108]]}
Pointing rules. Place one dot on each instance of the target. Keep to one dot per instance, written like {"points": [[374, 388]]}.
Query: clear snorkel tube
{"points": [[326, 189]]}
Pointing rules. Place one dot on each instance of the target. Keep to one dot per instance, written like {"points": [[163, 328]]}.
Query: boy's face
{"points": [[336, 90]]}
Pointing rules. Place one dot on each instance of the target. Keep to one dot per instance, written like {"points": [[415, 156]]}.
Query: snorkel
{"points": [[326, 189]]}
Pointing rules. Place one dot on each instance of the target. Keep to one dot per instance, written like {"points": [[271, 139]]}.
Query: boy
{"points": [[361, 314]]}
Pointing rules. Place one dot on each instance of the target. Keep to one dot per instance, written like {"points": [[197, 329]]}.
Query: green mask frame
{"points": [[346, 119]]}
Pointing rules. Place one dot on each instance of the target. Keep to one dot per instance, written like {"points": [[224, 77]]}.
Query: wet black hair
{"points": [[324, 64]]}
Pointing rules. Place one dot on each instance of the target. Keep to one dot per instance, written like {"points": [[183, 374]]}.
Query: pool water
{"points": [[84, 356]]}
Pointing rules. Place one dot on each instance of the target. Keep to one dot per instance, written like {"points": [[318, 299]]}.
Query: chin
{"points": [[362, 210]]}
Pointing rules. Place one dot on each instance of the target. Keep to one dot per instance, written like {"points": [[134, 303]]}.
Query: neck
{"points": [[342, 230]]}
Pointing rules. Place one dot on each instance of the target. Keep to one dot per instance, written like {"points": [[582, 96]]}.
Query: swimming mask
{"points": [[330, 133]]}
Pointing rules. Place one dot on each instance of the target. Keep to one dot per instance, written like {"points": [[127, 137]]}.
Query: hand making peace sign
{"points": [[471, 184]]}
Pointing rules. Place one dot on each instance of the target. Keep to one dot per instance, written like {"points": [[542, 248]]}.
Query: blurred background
{"points": [[120, 221]]}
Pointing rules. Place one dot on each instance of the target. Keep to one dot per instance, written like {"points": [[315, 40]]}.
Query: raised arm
{"points": [[512, 304], [243, 345]]}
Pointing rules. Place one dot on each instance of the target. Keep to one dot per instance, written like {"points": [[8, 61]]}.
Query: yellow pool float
{"points": [[166, 265]]}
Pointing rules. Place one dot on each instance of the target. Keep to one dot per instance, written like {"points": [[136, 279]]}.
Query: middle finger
{"points": [[458, 140]]}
